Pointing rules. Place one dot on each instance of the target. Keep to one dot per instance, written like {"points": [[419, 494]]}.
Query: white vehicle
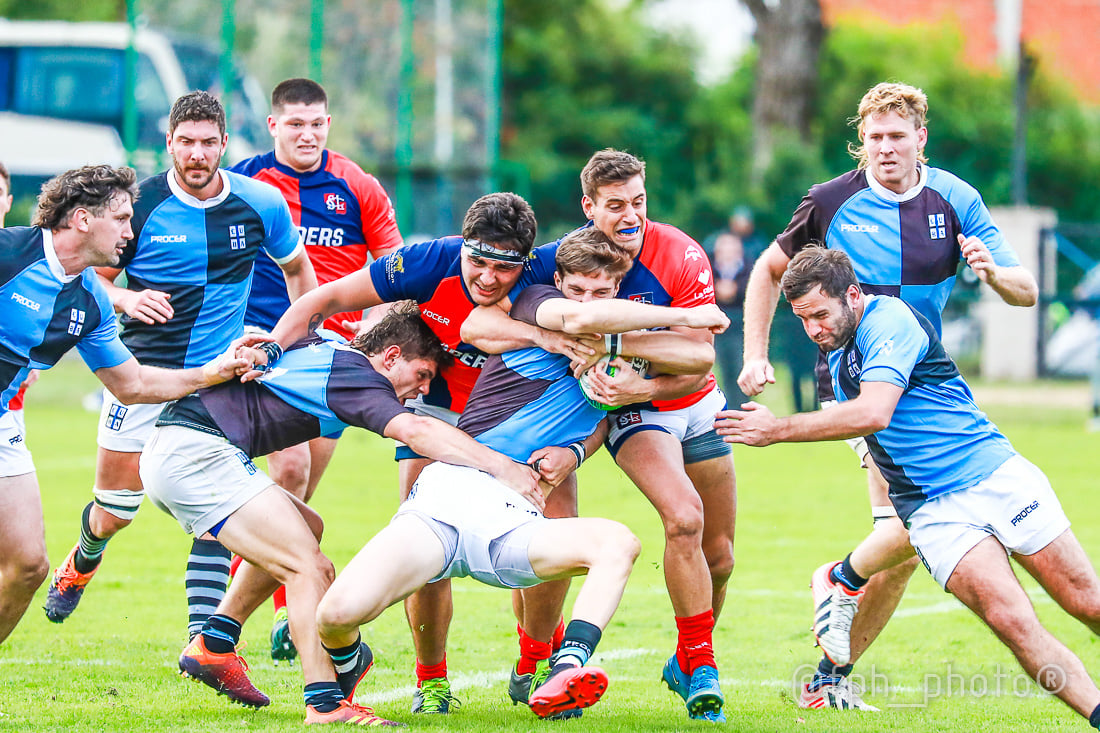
{"points": [[62, 88]]}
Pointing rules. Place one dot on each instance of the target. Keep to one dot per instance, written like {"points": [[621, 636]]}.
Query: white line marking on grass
{"points": [[485, 680]]}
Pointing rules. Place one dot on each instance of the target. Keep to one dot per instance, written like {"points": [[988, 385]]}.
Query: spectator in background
{"points": [[740, 224], [5, 193], [731, 268]]}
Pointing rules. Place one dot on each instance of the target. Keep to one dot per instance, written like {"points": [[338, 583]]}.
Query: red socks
{"points": [[430, 671], [694, 642]]}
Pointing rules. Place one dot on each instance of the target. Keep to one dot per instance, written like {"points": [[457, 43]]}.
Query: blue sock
{"points": [[324, 697], [1094, 719], [579, 642], [87, 558], [844, 574], [221, 633]]}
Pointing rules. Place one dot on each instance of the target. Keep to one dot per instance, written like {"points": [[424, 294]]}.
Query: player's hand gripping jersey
{"points": [[431, 274]]}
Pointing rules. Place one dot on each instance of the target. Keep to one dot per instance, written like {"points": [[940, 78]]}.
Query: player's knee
{"points": [[1085, 607], [114, 510], [1013, 624], [620, 544], [336, 617], [291, 472], [685, 525], [25, 571]]}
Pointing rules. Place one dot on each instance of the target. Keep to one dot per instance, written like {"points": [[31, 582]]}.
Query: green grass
{"points": [[112, 665]]}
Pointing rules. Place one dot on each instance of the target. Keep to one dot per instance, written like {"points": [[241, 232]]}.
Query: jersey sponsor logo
{"points": [[76, 321], [693, 252], [937, 228], [704, 277], [862, 228], [435, 316], [168, 238], [321, 236], [26, 302], [335, 203], [469, 358], [525, 510], [115, 416], [15, 440], [1026, 511], [887, 347], [236, 237], [394, 265]]}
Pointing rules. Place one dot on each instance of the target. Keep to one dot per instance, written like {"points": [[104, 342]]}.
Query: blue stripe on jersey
{"points": [[938, 440], [928, 300], [558, 416], [868, 229], [203, 256], [295, 380], [42, 317]]}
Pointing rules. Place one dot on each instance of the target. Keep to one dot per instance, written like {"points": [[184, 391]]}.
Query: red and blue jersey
{"points": [[342, 214], [431, 274]]}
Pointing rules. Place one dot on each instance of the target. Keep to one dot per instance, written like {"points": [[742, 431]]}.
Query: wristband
{"points": [[274, 353], [612, 344], [578, 452]]}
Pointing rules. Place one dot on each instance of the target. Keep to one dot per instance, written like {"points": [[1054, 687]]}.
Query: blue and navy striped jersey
{"points": [[938, 440], [202, 253], [44, 312], [317, 388]]}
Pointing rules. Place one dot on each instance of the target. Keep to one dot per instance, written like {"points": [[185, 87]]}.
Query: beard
{"points": [[207, 172], [844, 331]]}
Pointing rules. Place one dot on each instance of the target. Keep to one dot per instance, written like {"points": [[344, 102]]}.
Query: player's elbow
{"points": [[876, 419]]}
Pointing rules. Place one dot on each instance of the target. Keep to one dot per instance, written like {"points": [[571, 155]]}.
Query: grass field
{"points": [[112, 666]]}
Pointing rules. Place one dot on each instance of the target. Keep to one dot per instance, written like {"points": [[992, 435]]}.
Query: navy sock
{"points": [[1094, 719], [345, 658], [324, 697], [205, 582], [828, 673], [844, 574], [579, 642], [90, 552], [221, 633]]}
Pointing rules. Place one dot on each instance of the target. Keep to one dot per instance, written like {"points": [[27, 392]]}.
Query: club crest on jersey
{"points": [[642, 297], [335, 203], [236, 237], [76, 321], [854, 367], [937, 226]]}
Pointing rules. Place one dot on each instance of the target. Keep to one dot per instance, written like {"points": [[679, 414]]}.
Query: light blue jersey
{"points": [[44, 312], [938, 440]]}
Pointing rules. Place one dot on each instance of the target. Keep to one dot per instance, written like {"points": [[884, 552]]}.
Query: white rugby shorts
{"points": [[485, 527], [15, 457], [1015, 504], [198, 478], [125, 428]]}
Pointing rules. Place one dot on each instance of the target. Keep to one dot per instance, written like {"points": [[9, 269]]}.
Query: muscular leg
{"points": [[429, 609], [290, 467], [23, 563], [1065, 572], [601, 548], [717, 486], [393, 564], [984, 582], [653, 461], [291, 557]]}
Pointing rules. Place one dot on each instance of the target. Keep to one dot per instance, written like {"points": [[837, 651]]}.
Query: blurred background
{"points": [[737, 108]]}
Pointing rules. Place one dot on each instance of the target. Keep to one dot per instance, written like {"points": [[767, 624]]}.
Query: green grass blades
{"points": [[112, 665]]}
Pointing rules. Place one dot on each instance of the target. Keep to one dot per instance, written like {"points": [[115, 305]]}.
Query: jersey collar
{"points": [[899, 198], [52, 261], [178, 192]]}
